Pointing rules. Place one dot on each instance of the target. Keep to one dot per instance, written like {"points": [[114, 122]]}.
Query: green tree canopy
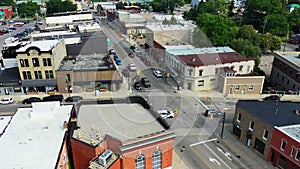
{"points": [[247, 49], [221, 31], [269, 42], [7, 3], [277, 24], [294, 21], [28, 9], [55, 6], [249, 33]]}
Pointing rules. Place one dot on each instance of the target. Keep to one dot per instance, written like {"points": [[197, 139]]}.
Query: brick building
{"points": [[254, 122], [126, 133], [285, 147], [285, 74], [37, 137]]}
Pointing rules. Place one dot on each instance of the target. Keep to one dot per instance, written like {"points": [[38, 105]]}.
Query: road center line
{"points": [[201, 158]]}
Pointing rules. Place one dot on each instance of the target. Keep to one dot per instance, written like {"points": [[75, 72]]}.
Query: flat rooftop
{"points": [[123, 121], [293, 58], [85, 62], [292, 131], [44, 45], [4, 120], [55, 33], [34, 137], [188, 50]]}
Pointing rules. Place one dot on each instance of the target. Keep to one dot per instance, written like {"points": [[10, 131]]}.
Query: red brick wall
{"points": [[113, 144], [165, 146]]}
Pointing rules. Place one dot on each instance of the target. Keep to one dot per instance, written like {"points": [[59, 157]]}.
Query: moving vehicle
{"points": [[54, 98], [211, 112], [18, 24], [146, 82], [6, 101], [272, 97], [166, 114], [157, 73], [31, 100], [74, 99], [125, 73], [132, 67], [137, 85]]}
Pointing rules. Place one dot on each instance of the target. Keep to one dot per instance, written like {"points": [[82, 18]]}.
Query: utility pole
{"points": [[223, 125]]}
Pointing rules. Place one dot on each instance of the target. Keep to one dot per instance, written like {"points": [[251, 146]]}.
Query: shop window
{"points": [[17, 90], [259, 146]]}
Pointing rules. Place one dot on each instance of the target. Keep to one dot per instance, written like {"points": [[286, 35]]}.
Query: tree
{"points": [[294, 21], [220, 30], [7, 3], [277, 24], [269, 42], [55, 6], [247, 49], [29, 9], [257, 10], [249, 33]]}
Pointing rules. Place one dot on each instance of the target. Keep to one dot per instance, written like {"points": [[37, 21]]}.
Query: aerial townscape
{"points": [[150, 84]]}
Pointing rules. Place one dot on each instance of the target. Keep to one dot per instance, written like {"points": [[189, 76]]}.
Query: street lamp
{"points": [[223, 125]]}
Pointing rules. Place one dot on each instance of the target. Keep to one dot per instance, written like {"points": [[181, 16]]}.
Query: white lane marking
{"points": [[213, 160], [227, 154], [205, 141], [216, 155]]}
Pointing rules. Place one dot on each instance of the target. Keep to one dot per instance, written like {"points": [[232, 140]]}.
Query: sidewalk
{"points": [[241, 153], [178, 163]]}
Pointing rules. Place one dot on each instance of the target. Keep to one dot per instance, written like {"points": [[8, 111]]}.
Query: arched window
{"points": [[156, 159], [140, 162]]}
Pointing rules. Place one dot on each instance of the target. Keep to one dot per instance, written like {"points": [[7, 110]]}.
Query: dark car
{"points": [[125, 73], [145, 82], [137, 85], [272, 97], [212, 112], [31, 100], [74, 99], [131, 55], [55, 97]]}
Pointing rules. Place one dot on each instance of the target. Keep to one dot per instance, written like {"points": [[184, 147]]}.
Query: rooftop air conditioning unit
{"points": [[105, 157]]}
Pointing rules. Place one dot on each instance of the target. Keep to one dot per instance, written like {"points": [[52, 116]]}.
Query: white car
{"points": [[157, 73], [166, 114], [6, 101], [132, 67]]}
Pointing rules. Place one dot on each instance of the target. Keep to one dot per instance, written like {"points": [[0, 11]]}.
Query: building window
{"points": [[200, 72], [285, 68], [282, 162], [297, 155], [251, 125], [265, 135], [277, 74], [292, 152], [47, 74], [241, 68], [22, 63], [250, 87], [26, 62], [51, 74], [212, 82], [216, 71], [47, 62], [259, 146], [248, 68], [237, 131], [140, 162], [291, 72], [190, 72], [38, 74], [17, 90], [239, 117], [26, 75], [237, 87], [201, 83], [288, 82], [35, 62], [282, 78], [283, 144], [156, 159]]}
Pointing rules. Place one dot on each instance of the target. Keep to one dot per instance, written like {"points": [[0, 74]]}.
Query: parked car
{"points": [[31, 100], [294, 39], [272, 97], [131, 55], [157, 73], [111, 51], [74, 99], [12, 28], [54, 98], [125, 73], [137, 85], [132, 67], [146, 82], [6, 101], [211, 112], [118, 62], [166, 114], [116, 57]]}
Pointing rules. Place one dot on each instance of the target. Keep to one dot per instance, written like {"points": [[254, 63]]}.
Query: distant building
{"points": [[254, 122], [215, 68], [285, 147], [105, 139], [6, 12], [195, 3], [37, 63], [10, 81], [38, 136], [69, 17], [285, 74]]}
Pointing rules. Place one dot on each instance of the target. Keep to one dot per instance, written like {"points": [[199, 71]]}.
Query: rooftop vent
{"points": [[194, 59]]}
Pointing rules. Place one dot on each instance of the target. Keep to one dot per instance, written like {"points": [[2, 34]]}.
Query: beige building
{"points": [[37, 62], [216, 68]]}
